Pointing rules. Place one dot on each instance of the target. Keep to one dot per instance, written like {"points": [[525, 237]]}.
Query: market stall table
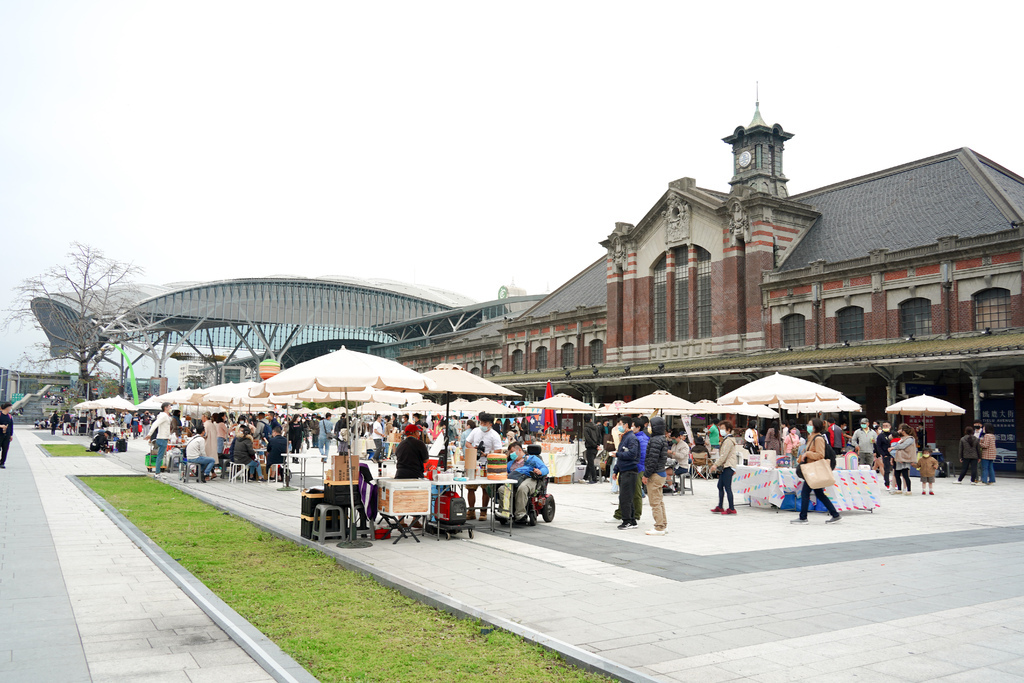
{"points": [[767, 487]]}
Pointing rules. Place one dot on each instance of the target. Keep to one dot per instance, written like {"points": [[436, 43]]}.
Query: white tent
{"points": [[115, 403], [752, 411], [925, 405]]}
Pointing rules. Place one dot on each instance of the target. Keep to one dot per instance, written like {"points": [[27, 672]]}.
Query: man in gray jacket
{"points": [[864, 441]]}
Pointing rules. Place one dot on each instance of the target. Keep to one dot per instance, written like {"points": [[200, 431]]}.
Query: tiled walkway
{"points": [[82, 602], [926, 588]]}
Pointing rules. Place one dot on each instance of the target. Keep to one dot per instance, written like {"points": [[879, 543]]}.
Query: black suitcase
{"points": [[122, 445]]}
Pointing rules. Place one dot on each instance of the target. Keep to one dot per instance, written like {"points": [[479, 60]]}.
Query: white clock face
{"points": [[745, 159]]}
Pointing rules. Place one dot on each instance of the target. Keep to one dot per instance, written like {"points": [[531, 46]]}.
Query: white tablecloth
{"points": [[761, 487]]}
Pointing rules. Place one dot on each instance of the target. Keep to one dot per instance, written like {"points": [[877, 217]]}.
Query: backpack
{"points": [[830, 452]]}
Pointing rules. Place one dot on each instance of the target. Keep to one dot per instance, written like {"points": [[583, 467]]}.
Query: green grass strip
{"points": [[340, 625], [70, 450]]}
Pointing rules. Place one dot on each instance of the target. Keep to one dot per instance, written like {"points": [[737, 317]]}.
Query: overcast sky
{"points": [[454, 144]]}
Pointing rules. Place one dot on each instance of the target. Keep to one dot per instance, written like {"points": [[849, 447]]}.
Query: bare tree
{"points": [[74, 304]]}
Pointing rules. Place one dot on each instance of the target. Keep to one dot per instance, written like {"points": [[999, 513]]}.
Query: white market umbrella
{"points": [[776, 389], [563, 403], [230, 393], [375, 408], [486, 405], [613, 408], [843, 405], [423, 407], [461, 405], [756, 410], [453, 379], [344, 371], [180, 397], [659, 400], [925, 405], [86, 405]]}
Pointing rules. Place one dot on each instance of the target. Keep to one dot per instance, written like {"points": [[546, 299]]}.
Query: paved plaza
{"points": [[925, 588]]}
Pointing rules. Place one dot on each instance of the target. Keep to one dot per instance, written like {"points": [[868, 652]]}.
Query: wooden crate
{"points": [[404, 497], [567, 479]]}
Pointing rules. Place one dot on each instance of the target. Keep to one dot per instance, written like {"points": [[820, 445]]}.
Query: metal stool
{"points": [[322, 519], [188, 469]]}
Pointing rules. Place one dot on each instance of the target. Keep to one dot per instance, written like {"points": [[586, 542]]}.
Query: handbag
{"points": [[817, 474]]}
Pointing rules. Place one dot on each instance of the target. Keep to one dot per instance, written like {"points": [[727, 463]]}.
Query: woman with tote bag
{"points": [[816, 472]]}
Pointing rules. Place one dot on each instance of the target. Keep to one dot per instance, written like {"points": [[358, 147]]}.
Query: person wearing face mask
{"points": [[864, 441], [486, 440], [815, 451], [523, 468], [882, 445]]}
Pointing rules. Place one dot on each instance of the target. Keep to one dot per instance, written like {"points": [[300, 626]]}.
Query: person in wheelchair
{"points": [[527, 470]]}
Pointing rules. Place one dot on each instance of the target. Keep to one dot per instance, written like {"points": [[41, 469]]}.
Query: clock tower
{"points": [[757, 156]]}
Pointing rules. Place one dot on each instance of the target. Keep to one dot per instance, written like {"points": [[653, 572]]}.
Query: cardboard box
{"points": [[342, 469]]}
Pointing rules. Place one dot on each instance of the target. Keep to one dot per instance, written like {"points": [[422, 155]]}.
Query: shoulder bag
{"points": [[817, 474]]}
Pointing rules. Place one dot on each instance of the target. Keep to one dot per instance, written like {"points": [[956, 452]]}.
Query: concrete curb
{"points": [[569, 652], [266, 653]]}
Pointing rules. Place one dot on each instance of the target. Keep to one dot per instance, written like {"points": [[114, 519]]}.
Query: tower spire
{"points": [[757, 120]]}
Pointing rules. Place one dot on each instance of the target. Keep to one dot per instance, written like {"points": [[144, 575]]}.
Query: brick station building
{"points": [[901, 282]]}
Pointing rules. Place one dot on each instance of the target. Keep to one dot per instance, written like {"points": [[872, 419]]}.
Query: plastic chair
{"points": [[238, 472], [325, 516]]}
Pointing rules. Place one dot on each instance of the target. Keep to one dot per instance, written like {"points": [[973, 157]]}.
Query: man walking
{"points": [[592, 438], [326, 430], [378, 438]]}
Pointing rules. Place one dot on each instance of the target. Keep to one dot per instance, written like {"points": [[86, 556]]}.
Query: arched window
{"points": [[596, 352], [542, 358], [793, 329], [568, 356], [915, 317], [703, 292], [992, 308], [659, 309], [517, 361], [681, 293], [475, 371], [495, 369], [850, 324]]}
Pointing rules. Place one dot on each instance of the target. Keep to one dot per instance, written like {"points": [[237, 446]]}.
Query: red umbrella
{"points": [[549, 415]]}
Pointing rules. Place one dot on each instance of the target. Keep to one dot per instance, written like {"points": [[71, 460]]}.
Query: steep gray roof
{"points": [[907, 206], [588, 288], [1008, 182]]}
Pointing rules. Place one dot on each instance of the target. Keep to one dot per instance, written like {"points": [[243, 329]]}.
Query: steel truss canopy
{"points": [[287, 318]]}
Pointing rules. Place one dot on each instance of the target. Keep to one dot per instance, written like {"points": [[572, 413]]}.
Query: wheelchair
{"points": [[540, 504]]}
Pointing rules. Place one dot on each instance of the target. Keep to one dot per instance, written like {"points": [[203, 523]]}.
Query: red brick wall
{"points": [[641, 321], [860, 281], [1009, 257], [614, 313], [928, 270], [836, 284], [756, 264], [968, 263], [875, 321], [895, 275]]}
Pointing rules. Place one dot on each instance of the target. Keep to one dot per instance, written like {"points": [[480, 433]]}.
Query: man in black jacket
{"points": [[654, 475], [591, 440], [882, 443], [627, 465]]}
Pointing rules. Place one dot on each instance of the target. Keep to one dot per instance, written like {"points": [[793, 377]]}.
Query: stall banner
{"points": [[1001, 414], [853, 490]]}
